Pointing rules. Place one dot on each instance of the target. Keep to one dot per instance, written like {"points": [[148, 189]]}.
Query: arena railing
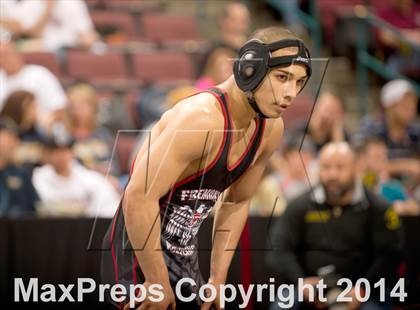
{"points": [[366, 61], [311, 21]]}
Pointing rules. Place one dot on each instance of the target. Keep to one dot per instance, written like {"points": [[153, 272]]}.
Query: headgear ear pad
{"points": [[251, 66], [254, 61]]}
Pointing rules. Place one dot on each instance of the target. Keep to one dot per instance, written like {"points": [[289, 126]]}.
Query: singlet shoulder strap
{"points": [[222, 97]]}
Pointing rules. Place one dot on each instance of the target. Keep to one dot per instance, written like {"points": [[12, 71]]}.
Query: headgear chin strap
{"points": [[254, 62]]}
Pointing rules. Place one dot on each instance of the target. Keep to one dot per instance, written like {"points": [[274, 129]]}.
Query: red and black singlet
{"points": [[182, 210]]}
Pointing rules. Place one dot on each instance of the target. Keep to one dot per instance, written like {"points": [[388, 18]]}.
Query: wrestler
{"points": [[217, 141]]}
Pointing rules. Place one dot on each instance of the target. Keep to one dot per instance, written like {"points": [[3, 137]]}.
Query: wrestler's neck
{"points": [[241, 112]]}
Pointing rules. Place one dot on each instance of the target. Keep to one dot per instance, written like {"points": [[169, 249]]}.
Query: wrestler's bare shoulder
{"points": [[201, 111]]}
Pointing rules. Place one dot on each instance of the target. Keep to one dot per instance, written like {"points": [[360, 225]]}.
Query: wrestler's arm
{"points": [[180, 142], [233, 213]]}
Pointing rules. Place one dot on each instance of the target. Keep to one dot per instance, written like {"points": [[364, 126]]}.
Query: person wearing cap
{"points": [[217, 141], [67, 187], [397, 127], [17, 194]]}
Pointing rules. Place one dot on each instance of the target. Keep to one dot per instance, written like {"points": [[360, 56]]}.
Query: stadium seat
{"points": [[166, 27], [46, 59], [132, 6], [162, 67], [109, 22], [97, 68]]}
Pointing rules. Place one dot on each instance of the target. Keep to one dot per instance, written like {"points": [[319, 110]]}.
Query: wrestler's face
{"points": [[280, 86]]}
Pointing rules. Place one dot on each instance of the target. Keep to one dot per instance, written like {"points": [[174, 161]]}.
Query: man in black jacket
{"points": [[339, 224]]}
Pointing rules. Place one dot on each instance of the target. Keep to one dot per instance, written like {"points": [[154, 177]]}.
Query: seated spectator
{"points": [[296, 166], [373, 161], [17, 194], [93, 144], [15, 75], [21, 108], [404, 15], [397, 127], [327, 121], [268, 200], [339, 224], [56, 23], [234, 25], [151, 104], [66, 187], [218, 68]]}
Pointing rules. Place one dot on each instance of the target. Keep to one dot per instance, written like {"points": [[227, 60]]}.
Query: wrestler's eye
{"points": [[282, 77], [301, 82]]}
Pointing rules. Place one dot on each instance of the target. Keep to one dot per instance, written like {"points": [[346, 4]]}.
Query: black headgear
{"points": [[254, 61]]}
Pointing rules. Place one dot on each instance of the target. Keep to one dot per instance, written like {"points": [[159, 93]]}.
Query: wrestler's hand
{"points": [[168, 301], [215, 304]]}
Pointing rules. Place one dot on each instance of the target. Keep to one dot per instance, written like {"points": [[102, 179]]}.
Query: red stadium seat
{"points": [[132, 6], [166, 27], [163, 67], [97, 68], [106, 21], [48, 60]]}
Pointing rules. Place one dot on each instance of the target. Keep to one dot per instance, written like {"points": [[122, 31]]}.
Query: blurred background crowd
{"points": [[81, 82]]}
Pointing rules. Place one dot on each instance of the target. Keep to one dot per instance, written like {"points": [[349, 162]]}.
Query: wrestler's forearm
{"points": [[142, 222], [229, 222]]}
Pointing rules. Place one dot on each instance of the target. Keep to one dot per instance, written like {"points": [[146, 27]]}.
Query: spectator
{"points": [[218, 68], [15, 75], [373, 161], [268, 200], [327, 121], [404, 15], [20, 107], [297, 166], [234, 25], [57, 23], [93, 144], [398, 127], [17, 194], [66, 187], [338, 223]]}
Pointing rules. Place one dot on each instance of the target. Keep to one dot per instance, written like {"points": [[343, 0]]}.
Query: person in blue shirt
{"points": [[17, 194]]}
